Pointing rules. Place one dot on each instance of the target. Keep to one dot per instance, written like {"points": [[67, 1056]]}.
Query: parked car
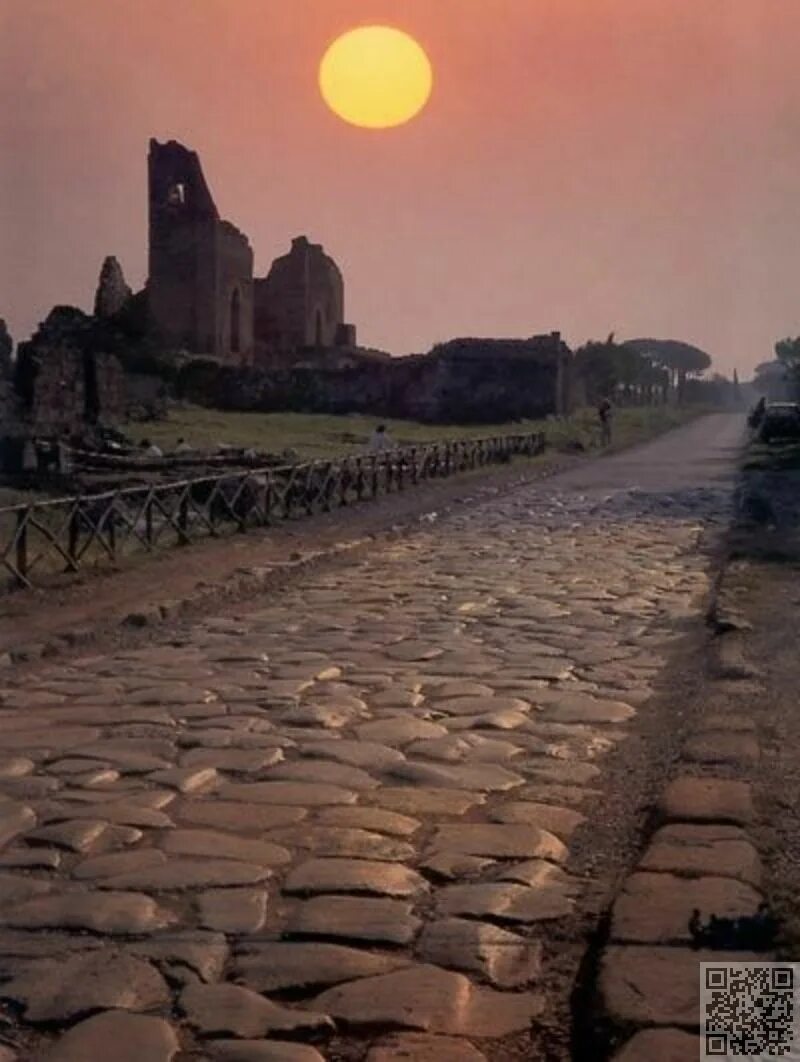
{"points": [[781, 420]]}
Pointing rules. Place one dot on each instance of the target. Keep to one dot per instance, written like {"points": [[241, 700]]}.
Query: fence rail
{"points": [[43, 539]]}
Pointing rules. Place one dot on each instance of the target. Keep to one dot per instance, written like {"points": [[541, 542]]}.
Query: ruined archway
{"points": [[236, 322]]}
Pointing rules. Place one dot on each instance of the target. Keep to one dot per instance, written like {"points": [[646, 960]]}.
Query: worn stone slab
{"points": [[233, 761], [488, 778], [505, 901], [370, 819], [184, 957], [539, 874], [367, 754], [114, 1034], [360, 876], [262, 1051], [416, 1047], [15, 888], [645, 986], [722, 747], [15, 819], [295, 965], [560, 821], [429, 999], [707, 800], [656, 908], [233, 910], [660, 1045], [234, 815], [419, 800], [31, 858], [581, 708], [504, 959], [203, 843], [119, 912], [178, 874], [345, 843], [482, 705], [698, 851], [106, 866], [499, 841], [318, 770], [187, 779], [398, 731], [454, 866], [230, 1010], [99, 980], [74, 836], [304, 794], [379, 920], [121, 812]]}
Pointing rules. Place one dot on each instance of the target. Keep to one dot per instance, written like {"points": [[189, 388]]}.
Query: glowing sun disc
{"points": [[376, 77]]}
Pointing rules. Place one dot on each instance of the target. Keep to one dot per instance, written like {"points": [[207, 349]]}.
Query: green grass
{"points": [[317, 436]]}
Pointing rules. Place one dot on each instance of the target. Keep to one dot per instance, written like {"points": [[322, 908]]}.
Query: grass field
{"points": [[316, 436]]}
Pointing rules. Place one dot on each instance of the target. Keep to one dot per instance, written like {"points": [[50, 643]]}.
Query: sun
{"points": [[376, 77]]}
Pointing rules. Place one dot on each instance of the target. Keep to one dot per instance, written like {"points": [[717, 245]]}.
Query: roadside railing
{"points": [[44, 539]]}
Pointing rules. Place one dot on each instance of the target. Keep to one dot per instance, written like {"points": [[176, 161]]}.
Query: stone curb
{"points": [[700, 856]]}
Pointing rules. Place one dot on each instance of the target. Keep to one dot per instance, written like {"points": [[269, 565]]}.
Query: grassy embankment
{"points": [[315, 436]]}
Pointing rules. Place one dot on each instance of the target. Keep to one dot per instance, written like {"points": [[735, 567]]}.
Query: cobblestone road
{"points": [[347, 809]]}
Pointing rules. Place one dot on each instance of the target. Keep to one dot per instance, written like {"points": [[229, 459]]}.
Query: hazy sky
{"points": [[584, 165]]}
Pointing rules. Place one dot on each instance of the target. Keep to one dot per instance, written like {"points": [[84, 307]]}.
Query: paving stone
{"points": [[504, 959], [400, 731], [370, 819], [16, 767], [31, 858], [353, 876], [106, 866], [185, 957], [707, 800], [482, 777], [233, 910], [115, 1034], [429, 999], [233, 815], [340, 774], [478, 706], [178, 874], [304, 794], [663, 1045], [645, 986], [263, 1051], [229, 1010], [722, 747], [120, 912], [187, 779], [100, 980], [123, 813], [413, 651], [76, 836], [211, 843], [499, 841], [416, 1047], [580, 708], [291, 966], [15, 819], [656, 908], [355, 918], [453, 866], [418, 800], [368, 754], [504, 901], [345, 843], [560, 821], [697, 851], [236, 761]]}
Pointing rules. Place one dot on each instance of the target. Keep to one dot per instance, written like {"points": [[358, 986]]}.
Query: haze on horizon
{"points": [[584, 165]]}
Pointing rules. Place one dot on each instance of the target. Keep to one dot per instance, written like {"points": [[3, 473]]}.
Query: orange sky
{"points": [[585, 165]]}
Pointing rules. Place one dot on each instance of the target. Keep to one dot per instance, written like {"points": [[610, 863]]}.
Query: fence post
{"points": [[22, 544], [359, 478], [73, 540], [183, 519]]}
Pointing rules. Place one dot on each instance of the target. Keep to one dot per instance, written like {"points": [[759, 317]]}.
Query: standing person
{"points": [[605, 412], [380, 440]]}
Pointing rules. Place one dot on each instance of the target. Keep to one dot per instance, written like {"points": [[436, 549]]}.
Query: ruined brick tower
{"points": [[300, 304], [200, 286]]}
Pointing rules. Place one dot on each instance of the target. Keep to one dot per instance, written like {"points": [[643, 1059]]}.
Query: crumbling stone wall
{"points": [[300, 304], [200, 286], [113, 293]]}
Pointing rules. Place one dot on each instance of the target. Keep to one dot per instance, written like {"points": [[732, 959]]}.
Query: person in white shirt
{"points": [[150, 449], [183, 447], [380, 440]]}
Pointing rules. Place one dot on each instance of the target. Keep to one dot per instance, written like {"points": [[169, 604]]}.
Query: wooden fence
{"points": [[45, 538]]}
